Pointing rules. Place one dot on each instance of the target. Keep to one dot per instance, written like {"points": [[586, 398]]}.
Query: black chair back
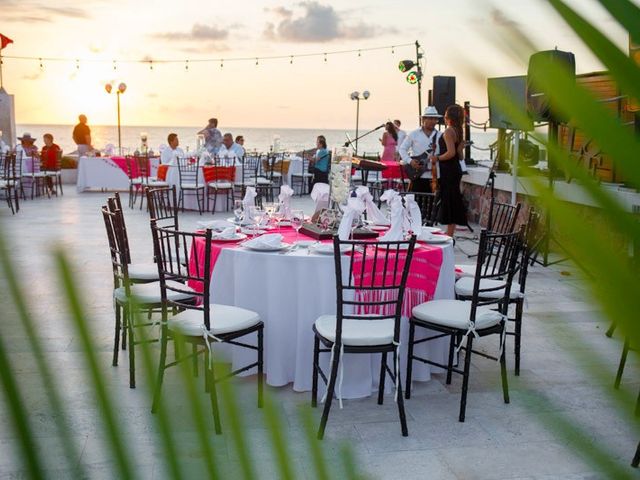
{"points": [[371, 280], [118, 254], [250, 167], [531, 240], [498, 259], [503, 217], [188, 172], [163, 206], [115, 206], [170, 245]]}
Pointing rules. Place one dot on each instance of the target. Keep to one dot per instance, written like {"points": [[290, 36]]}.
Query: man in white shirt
{"points": [[168, 155], [401, 134], [420, 142], [230, 149]]}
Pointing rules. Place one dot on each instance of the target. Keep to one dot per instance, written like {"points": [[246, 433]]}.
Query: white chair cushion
{"points": [[263, 181], [220, 184], [150, 292], [276, 174], [143, 271], [357, 332], [158, 183], [464, 288], [190, 186], [3, 184], [223, 318], [137, 181], [465, 271], [307, 175], [455, 314]]}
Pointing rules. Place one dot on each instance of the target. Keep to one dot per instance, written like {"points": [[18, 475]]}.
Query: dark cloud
{"points": [[501, 20], [317, 23], [198, 32]]}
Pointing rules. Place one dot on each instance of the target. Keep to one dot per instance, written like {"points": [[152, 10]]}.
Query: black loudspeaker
{"points": [[539, 106], [444, 93], [508, 103]]}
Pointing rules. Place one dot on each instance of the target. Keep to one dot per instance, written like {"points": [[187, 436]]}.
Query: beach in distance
{"points": [[261, 139]]}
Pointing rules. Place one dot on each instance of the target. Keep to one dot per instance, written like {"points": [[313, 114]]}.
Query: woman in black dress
{"points": [[451, 211]]}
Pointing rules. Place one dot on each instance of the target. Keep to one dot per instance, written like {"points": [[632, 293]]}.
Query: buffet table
{"points": [[291, 290]]}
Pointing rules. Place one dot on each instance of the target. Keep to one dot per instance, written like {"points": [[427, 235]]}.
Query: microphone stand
{"points": [[350, 141]]}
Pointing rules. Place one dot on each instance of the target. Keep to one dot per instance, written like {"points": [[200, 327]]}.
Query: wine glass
{"points": [[269, 209], [297, 220], [278, 214], [257, 215], [238, 212]]}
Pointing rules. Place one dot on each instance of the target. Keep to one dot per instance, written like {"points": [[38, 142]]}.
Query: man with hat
{"points": [[27, 145], [416, 148]]}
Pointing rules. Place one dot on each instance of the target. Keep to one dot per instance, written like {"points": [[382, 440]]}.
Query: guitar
{"points": [[423, 163]]}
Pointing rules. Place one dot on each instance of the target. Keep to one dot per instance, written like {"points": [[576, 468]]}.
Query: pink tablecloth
{"points": [[421, 282], [392, 170]]}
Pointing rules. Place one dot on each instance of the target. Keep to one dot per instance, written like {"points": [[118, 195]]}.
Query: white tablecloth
{"points": [[290, 292], [104, 173]]}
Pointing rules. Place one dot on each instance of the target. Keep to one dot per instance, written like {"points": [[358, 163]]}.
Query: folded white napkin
{"points": [[414, 216], [270, 240], [249, 201], [396, 232], [373, 212], [215, 225], [351, 211], [320, 195], [226, 234], [388, 195], [285, 199]]}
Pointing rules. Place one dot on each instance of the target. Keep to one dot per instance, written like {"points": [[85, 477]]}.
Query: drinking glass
{"points": [[238, 211], [297, 220], [258, 216]]}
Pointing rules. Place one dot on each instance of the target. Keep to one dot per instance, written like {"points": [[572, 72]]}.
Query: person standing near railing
{"points": [[389, 142], [82, 136], [212, 136]]}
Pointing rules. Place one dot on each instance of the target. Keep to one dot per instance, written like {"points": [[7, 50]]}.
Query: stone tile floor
{"points": [[568, 367]]}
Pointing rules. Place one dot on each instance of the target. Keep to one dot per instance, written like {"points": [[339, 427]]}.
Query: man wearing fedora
{"points": [[27, 145], [421, 143]]}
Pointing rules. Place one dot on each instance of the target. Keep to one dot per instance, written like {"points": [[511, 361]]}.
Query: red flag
{"points": [[4, 41]]}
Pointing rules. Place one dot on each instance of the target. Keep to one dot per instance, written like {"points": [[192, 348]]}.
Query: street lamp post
{"points": [[356, 96], [121, 89]]}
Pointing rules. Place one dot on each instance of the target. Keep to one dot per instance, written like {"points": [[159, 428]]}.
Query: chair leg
{"points": [[314, 385], [383, 371], [125, 326], [213, 395], [199, 202], [452, 349], [161, 369], [132, 357], [412, 333], [116, 338], [330, 390], [611, 329], [60, 185], [518, 335], [260, 367], [401, 412], [623, 361], [636, 458], [465, 378]]}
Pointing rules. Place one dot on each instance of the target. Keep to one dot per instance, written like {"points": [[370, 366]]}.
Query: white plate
{"points": [[252, 231], [305, 243], [378, 228], [327, 248], [244, 221], [282, 246], [215, 225], [426, 230], [237, 237], [436, 239]]}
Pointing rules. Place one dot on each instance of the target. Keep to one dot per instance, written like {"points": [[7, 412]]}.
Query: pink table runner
{"points": [[421, 281]]}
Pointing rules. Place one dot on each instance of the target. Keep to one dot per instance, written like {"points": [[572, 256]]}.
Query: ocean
{"points": [[261, 139]]}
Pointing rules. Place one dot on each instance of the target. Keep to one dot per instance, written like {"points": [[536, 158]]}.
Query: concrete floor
{"points": [[568, 367]]}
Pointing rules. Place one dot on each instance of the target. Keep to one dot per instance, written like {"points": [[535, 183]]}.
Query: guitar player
{"points": [[419, 143]]}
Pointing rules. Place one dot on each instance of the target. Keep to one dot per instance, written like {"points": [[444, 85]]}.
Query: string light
{"points": [[150, 62], [186, 65], [41, 66]]}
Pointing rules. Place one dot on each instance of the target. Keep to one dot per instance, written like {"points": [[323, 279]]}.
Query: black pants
{"points": [[319, 176], [421, 185]]}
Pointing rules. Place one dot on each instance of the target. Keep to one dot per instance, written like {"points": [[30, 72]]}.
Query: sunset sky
{"points": [[455, 34]]}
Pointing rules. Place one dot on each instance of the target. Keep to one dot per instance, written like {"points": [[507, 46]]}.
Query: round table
{"points": [[290, 292]]}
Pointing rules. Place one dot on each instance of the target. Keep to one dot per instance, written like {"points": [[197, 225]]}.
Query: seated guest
{"points": [[240, 143], [230, 149], [27, 145], [319, 164], [50, 152], [168, 155]]}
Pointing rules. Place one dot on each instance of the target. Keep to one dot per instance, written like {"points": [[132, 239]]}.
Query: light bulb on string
{"points": [[291, 60], [221, 63], [186, 65], [41, 66], [325, 58], [393, 50], [256, 62], [77, 64], [150, 64], [359, 53], [114, 66]]}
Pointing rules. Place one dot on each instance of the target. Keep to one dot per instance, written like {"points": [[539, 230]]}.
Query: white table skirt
{"points": [[290, 292], [104, 173]]}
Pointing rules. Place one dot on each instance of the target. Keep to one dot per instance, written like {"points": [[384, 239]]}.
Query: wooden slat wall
{"points": [[603, 87]]}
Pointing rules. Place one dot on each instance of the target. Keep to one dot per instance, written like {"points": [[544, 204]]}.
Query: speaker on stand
{"points": [[541, 109], [444, 93]]}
